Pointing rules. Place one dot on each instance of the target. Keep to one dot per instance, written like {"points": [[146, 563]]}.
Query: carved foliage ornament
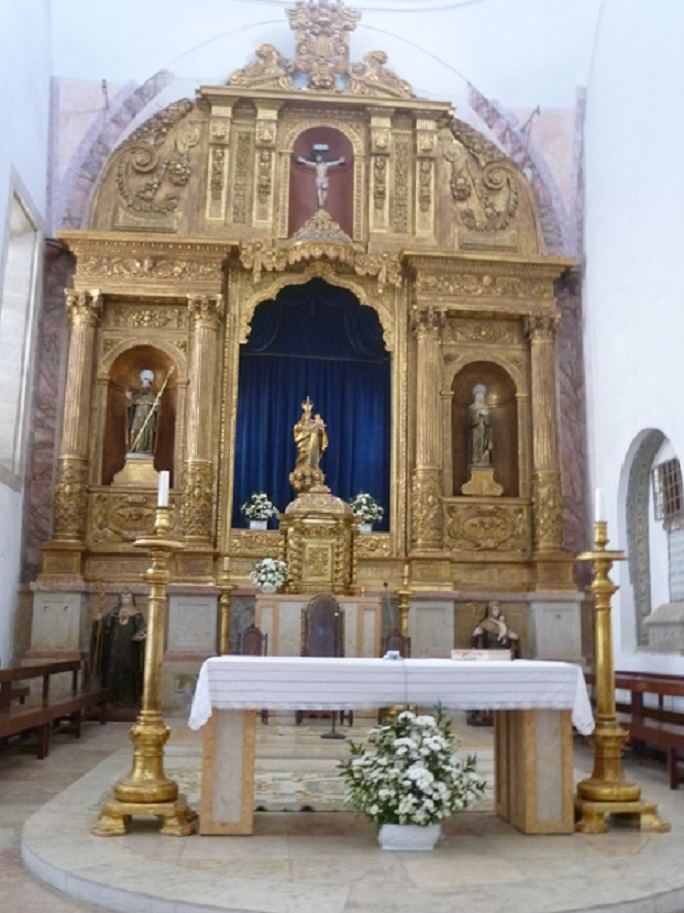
{"points": [[257, 257], [548, 512], [427, 512], [71, 500], [484, 186], [152, 268], [197, 509]]}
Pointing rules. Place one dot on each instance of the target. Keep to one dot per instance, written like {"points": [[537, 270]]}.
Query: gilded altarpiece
{"points": [[200, 216]]}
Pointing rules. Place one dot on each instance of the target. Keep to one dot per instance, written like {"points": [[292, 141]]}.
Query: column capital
{"points": [[206, 310], [427, 320], [540, 327], [83, 307]]}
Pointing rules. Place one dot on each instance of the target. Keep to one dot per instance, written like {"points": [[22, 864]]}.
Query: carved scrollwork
{"points": [[269, 71], [473, 284], [198, 500], [150, 181], [487, 527], [372, 78], [484, 185], [401, 187], [264, 175]]}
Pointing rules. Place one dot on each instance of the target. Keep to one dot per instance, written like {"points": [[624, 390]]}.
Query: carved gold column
{"points": [[198, 488], [426, 509], [63, 555], [547, 498]]}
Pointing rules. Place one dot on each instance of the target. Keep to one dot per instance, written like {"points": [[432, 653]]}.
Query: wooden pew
{"points": [[41, 712], [650, 722]]}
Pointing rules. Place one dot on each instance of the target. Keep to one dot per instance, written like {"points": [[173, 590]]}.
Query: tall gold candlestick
{"points": [[224, 603], [147, 790], [607, 793], [404, 593]]}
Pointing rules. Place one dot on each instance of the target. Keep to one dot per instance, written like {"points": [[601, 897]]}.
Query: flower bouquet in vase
{"points": [[367, 510], [407, 779], [270, 574], [258, 510]]}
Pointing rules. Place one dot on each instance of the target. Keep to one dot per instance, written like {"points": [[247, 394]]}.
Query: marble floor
{"points": [[307, 855]]}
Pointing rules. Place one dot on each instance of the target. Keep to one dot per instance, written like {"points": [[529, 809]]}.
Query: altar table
{"points": [[535, 704]]}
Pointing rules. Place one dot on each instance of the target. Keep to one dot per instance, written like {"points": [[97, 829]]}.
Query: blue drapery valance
{"points": [[313, 340]]}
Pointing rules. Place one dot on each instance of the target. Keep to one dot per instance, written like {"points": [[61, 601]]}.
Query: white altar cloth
{"points": [[308, 683]]}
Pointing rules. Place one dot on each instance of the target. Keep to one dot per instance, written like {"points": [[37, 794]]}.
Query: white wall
{"points": [[25, 70], [520, 52], [634, 240]]}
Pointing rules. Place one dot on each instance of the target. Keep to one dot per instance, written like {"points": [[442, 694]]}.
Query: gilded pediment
{"points": [[293, 143]]}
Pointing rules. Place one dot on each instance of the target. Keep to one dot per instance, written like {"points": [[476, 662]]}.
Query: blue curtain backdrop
{"points": [[313, 340]]}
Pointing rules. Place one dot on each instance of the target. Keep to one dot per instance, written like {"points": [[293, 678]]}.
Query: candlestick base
{"points": [[177, 818], [596, 817]]}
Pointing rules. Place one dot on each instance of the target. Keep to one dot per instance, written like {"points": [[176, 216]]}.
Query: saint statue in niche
{"points": [[479, 429], [310, 437], [143, 408]]}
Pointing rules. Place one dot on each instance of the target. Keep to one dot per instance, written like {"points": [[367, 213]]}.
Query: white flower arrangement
{"points": [[408, 772], [271, 573], [259, 507], [366, 508]]}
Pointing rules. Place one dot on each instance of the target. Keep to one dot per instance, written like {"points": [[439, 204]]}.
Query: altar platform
{"points": [[311, 861]]}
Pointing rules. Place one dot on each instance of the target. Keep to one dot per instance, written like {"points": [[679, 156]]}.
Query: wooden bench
{"points": [[651, 722], [41, 713]]}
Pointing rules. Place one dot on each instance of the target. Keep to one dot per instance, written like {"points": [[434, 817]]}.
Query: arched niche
{"points": [[124, 375], [503, 409], [317, 340], [333, 145]]}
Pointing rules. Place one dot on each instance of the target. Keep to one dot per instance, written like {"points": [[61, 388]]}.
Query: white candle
{"points": [[163, 493], [226, 565], [600, 511]]}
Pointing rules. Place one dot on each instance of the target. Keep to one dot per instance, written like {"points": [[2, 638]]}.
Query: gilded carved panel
{"points": [[477, 526]]}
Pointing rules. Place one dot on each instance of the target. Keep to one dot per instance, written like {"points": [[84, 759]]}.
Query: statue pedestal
{"points": [[481, 482], [318, 530], [138, 470]]}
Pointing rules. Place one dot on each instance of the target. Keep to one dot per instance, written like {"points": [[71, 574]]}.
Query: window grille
{"points": [[667, 491]]}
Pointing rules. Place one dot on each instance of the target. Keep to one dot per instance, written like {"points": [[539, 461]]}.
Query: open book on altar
{"points": [[471, 654]]}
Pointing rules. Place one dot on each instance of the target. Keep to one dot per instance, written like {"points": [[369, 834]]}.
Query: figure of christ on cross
{"points": [[321, 166]]}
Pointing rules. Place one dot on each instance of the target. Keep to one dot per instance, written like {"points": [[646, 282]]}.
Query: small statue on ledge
{"points": [[311, 438], [492, 632], [479, 428], [118, 651]]}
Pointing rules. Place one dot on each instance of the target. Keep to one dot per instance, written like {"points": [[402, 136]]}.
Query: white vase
{"points": [[258, 524], [268, 587], [365, 527], [409, 838]]}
